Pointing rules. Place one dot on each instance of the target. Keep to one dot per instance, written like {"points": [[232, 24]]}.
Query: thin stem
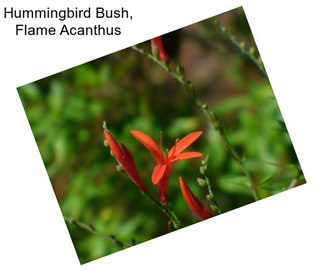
{"points": [[214, 119], [249, 54], [170, 213], [210, 196], [90, 228]]}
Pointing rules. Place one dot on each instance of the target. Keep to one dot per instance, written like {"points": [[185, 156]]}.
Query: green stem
{"points": [[211, 196], [91, 229], [210, 191], [241, 49], [168, 212], [216, 124]]}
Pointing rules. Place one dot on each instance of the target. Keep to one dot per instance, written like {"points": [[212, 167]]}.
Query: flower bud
{"points": [[251, 51], [190, 88], [201, 182], [210, 197], [213, 208], [203, 170], [119, 168], [180, 71], [242, 45], [204, 106]]}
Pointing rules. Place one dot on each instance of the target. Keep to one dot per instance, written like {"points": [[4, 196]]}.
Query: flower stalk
{"points": [[90, 228], [241, 48], [214, 206]]}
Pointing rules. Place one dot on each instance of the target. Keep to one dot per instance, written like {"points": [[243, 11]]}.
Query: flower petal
{"points": [[115, 148], [186, 155], [193, 203], [149, 143], [158, 173], [184, 143]]}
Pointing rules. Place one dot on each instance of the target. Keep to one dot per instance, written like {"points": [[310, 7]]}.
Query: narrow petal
{"points": [[158, 173], [129, 166], [184, 143], [150, 144], [115, 148], [186, 155], [193, 203]]}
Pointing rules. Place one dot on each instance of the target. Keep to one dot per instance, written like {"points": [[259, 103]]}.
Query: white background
{"points": [[283, 232]]}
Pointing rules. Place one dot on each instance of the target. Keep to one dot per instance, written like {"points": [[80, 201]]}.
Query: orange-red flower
{"points": [[125, 159], [157, 45], [193, 203], [162, 170]]}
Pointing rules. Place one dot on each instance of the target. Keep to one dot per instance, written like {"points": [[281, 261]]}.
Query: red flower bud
{"points": [[125, 159], [157, 45], [193, 203]]}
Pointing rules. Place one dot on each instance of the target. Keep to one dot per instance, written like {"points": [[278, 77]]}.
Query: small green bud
{"points": [[212, 116], [190, 87], [203, 170], [111, 153], [251, 51], [210, 197], [204, 106], [213, 208], [155, 54], [105, 143], [259, 60], [119, 168], [214, 120], [203, 163], [180, 71], [105, 127], [201, 182], [242, 45]]}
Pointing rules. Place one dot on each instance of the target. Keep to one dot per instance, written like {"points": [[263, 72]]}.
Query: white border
{"points": [[283, 232]]}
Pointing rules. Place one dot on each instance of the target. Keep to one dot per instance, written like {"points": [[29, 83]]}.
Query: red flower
{"points": [[125, 159], [161, 172], [157, 45], [193, 203]]}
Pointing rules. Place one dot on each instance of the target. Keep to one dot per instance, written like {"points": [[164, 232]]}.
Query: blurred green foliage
{"points": [[128, 91]]}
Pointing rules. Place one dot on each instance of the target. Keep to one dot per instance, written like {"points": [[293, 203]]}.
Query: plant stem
{"points": [[210, 196], [241, 49], [214, 120], [90, 228], [171, 214]]}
